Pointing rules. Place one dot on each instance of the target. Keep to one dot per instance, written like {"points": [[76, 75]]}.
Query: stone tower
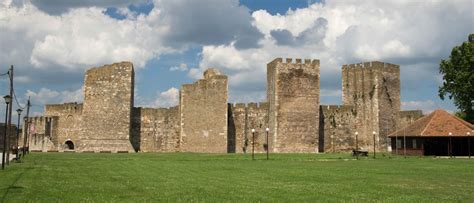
{"points": [[373, 89], [293, 96], [203, 119], [107, 108]]}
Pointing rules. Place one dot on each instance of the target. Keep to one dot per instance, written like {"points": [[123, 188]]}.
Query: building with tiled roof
{"points": [[439, 133]]}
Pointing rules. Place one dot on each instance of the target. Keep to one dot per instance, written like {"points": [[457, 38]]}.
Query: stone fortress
{"points": [[204, 121]]}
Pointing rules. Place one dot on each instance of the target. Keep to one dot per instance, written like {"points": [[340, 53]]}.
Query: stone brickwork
{"points": [[156, 130], [205, 122], [107, 108], [42, 133], [408, 117], [242, 119], [336, 130], [68, 125], [373, 88], [293, 96], [203, 114]]}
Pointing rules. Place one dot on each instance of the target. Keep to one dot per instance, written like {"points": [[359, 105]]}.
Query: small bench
{"points": [[360, 153]]}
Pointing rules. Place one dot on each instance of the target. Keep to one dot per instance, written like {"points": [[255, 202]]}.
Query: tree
{"points": [[458, 76]]}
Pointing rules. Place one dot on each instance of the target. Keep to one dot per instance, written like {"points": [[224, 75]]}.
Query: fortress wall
{"points": [[237, 128], [107, 108], [68, 126], [408, 117], [293, 96], [41, 133], [203, 119], [373, 88], [336, 128], [157, 129], [242, 119]]}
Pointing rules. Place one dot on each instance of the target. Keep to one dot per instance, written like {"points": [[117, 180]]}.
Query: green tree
{"points": [[458, 76]]}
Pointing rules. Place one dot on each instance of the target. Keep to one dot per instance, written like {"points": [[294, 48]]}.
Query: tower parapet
{"points": [[373, 88], [293, 96]]}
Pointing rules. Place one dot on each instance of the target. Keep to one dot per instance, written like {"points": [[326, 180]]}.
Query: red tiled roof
{"points": [[437, 124]]}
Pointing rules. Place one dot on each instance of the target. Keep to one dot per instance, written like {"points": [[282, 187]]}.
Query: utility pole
{"points": [[27, 127], [10, 73]]}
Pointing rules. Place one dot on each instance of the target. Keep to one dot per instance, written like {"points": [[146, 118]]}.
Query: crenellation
{"points": [[204, 121]]}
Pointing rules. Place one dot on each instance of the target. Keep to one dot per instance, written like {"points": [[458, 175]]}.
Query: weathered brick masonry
{"points": [[205, 122], [293, 96]]}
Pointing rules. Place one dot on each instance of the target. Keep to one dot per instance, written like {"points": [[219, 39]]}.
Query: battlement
{"points": [[153, 111], [252, 105], [296, 61], [412, 113], [71, 108], [336, 108], [209, 74], [371, 65], [110, 69]]}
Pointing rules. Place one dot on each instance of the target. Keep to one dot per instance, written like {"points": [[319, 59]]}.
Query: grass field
{"points": [[52, 177]]}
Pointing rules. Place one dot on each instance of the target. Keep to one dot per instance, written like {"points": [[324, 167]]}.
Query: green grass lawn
{"points": [[52, 177]]}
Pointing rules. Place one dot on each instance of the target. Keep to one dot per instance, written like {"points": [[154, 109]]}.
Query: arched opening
{"points": [[70, 145]]}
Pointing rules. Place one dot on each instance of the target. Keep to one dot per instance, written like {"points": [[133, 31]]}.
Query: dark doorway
{"points": [[70, 145]]}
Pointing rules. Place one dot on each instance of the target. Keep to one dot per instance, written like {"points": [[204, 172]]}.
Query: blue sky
{"points": [[51, 43]]}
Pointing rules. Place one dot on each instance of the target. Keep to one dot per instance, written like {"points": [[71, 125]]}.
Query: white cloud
{"points": [[48, 96], [182, 67], [408, 33], [427, 106], [167, 98]]}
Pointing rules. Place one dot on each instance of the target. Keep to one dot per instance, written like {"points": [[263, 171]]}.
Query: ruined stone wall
{"points": [[68, 124], [107, 108], [293, 96], [42, 133], [243, 118], [203, 119], [337, 128], [373, 88], [157, 130], [408, 117]]}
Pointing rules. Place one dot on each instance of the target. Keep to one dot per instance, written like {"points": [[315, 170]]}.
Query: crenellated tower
{"points": [[373, 89], [293, 97]]}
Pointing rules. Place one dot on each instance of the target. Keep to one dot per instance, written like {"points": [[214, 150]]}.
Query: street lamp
{"points": [[266, 140], [469, 144], [357, 145], [8, 100], [373, 133], [450, 151], [253, 144], [18, 132]]}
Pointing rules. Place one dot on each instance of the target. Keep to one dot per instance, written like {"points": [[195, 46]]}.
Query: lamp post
{"points": [[8, 100], [373, 133], [18, 132], [450, 146], [469, 144], [266, 140], [357, 144], [253, 144]]}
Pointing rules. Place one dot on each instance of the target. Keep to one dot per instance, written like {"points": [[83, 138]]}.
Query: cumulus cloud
{"points": [[427, 106], [182, 67], [208, 22], [57, 7], [48, 96], [409, 33], [167, 98]]}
